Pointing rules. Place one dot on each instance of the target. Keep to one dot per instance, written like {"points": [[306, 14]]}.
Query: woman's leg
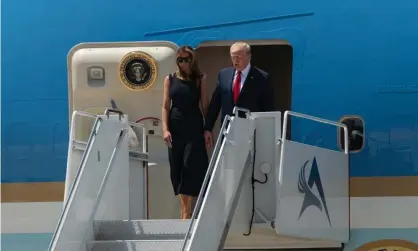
{"points": [[193, 173], [187, 206]]}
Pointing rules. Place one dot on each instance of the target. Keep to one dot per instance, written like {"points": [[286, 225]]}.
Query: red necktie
{"points": [[237, 87]]}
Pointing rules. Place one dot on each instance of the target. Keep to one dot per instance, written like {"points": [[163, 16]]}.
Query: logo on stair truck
{"points": [[138, 70], [310, 199]]}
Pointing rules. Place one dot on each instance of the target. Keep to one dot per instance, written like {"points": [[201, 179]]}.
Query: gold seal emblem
{"points": [[389, 245], [138, 70]]}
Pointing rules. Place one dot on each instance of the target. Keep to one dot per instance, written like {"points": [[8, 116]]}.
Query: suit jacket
{"points": [[256, 95]]}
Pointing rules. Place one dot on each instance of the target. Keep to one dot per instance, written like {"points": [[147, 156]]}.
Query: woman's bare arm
{"points": [[166, 104]]}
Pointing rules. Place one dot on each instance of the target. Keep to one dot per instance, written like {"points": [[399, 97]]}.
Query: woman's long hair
{"points": [[195, 74]]}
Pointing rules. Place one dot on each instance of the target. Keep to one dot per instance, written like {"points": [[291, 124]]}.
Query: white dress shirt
{"points": [[244, 74]]}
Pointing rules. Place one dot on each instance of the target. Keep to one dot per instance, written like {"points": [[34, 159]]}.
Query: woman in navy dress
{"points": [[185, 99]]}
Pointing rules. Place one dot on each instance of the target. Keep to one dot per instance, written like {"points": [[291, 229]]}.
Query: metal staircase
{"points": [[211, 218], [98, 212]]}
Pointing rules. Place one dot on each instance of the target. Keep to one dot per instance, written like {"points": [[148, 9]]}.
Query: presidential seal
{"points": [[138, 70], [389, 245]]}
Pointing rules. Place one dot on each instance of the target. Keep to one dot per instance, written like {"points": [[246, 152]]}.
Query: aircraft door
{"points": [[313, 188], [128, 76]]}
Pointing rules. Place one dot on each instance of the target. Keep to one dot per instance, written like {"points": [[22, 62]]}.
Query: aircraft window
{"points": [[356, 130]]}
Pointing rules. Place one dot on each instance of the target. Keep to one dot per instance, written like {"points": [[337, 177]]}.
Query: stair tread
{"points": [[134, 245], [141, 229]]}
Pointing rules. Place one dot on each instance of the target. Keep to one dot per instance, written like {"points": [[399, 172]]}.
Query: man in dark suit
{"points": [[242, 85]]}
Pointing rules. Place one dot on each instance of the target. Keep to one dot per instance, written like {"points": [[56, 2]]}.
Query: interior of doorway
{"points": [[274, 57]]}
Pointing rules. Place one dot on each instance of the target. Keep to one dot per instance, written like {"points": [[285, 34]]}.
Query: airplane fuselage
{"points": [[353, 59]]}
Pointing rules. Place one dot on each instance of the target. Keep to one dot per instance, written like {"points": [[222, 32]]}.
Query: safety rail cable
{"points": [[76, 180], [212, 164]]}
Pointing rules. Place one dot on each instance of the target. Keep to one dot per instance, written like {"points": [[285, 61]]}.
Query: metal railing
{"points": [[212, 162], [79, 144], [85, 147], [75, 183], [308, 117]]}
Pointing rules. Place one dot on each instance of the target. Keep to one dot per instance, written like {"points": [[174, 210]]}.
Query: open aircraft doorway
{"points": [[273, 56]]}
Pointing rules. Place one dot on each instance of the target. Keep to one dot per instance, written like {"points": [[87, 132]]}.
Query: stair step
{"points": [[167, 245], [141, 230]]}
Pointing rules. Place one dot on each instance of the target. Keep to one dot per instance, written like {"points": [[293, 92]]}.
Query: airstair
{"points": [[97, 214]]}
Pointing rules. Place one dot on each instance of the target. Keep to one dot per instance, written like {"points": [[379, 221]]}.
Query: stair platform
{"points": [[172, 229], [135, 245]]}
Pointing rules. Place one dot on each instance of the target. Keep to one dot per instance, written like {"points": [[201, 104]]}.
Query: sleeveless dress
{"points": [[188, 157]]}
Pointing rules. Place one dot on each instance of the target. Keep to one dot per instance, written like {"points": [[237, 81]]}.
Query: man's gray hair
{"points": [[242, 45]]}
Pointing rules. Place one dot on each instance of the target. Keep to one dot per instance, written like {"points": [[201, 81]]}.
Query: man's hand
{"points": [[208, 139]]}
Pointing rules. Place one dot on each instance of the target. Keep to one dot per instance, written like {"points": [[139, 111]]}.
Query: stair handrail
{"points": [[77, 177], [212, 162], [137, 152], [106, 176], [109, 168], [80, 171]]}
